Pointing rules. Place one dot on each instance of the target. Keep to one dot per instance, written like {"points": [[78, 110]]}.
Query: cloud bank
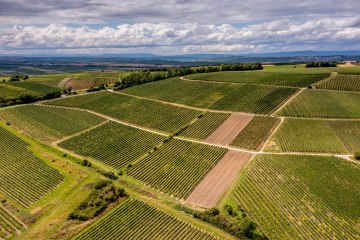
{"points": [[279, 35], [177, 26]]}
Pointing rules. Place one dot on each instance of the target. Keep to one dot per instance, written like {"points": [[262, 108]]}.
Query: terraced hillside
{"points": [[134, 219], [142, 112], [24, 178], [302, 197], [49, 123]]}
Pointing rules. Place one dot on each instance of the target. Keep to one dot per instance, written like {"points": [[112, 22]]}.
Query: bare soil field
{"points": [[212, 187], [229, 129]]}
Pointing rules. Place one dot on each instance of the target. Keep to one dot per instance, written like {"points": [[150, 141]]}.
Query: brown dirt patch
{"points": [[229, 129], [212, 187]]}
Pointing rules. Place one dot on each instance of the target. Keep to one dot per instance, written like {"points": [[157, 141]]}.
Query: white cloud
{"points": [[279, 35]]}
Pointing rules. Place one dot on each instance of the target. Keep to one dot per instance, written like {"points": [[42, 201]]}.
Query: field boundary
{"points": [[287, 101]]}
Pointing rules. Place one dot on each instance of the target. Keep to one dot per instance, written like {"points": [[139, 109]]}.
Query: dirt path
{"points": [[229, 129], [217, 181], [287, 101], [78, 133]]}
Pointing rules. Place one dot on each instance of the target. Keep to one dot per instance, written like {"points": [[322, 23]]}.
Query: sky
{"points": [[177, 26]]}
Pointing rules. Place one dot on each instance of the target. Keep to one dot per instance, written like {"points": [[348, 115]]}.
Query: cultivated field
{"points": [[307, 135], [255, 133], [134, 219], [205, 125], [342, 82], [142, 112], [302, 197], [254, 99], [229, 129], [262, 78], [8, 225], [192, 93], [113, 144], [217, 181], [24, 178], [49, 123], [177, 167], [324, 104]]}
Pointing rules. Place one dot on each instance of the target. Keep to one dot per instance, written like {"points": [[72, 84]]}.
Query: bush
{"points": [[357, 155], [104, 193]]}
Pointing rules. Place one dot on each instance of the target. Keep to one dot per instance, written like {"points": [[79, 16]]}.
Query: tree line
{"points": [[152, 75], [320, 64]]}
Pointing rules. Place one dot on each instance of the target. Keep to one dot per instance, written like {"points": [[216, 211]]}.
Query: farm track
{"points": [[229, 129], [211, 188], [344, 156], [287, 101], [79, 133]]}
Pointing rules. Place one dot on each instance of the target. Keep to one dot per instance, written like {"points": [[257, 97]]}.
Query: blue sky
{"points": [[176, 27]]}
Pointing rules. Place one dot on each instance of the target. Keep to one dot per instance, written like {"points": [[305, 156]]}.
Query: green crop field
{"points": [[113, 144], [177, 167], [192, 93], [134, 219], [23, 177], [306, 135], [255, 133], [8, 225], [324, 104], [35, 87], [49, 123], [49, 79], [262, 77], [254, 99], [302, 197], [342, 82], [145, 113], [204, 126]]}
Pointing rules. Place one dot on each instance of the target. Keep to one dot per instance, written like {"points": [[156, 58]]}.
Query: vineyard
{"points": [[307, 135], [142, 112], [342, 82], [254, 99], [255, 133], [192, 93], [35, 87], [49, 123], [302, 197], [177, 167], [49, 79], [134, 219], [8, 225], [324, 104], [86, 83], [113, 144], [204, 126], [23, 177], [262, 78]]}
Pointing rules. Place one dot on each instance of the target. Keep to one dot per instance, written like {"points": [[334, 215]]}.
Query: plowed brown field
{"points": [[212, 187], [229, 129]]}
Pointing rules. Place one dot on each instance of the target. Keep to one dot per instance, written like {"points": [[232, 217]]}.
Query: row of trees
{"points": [[27, 98], [152, 75], [320, 64]]}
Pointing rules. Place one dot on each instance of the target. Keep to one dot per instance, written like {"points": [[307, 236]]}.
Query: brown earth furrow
{"points": [[229, 129], [212, 187]]}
